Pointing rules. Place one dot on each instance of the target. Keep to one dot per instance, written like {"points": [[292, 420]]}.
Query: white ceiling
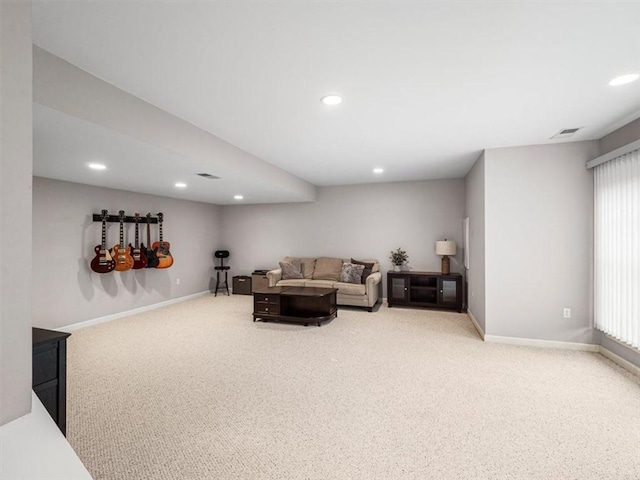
{"points": [[426, 85]]}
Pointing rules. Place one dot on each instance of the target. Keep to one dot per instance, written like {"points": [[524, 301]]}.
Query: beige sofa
{"points": [[357, 295]]}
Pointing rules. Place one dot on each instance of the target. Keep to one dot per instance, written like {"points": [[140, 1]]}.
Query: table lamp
{"points": [[445, 248]]}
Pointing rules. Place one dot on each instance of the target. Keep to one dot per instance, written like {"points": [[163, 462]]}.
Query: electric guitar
{"points": [[152, 260], [121, 253], [103, 263], [139, 257], [162, 249]]}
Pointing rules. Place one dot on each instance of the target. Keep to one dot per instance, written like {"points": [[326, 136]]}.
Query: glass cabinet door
{"points": [[448, 291], [399, 289]]}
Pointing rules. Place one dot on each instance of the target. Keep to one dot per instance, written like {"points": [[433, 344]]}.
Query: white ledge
{"points": [[33, 448]]}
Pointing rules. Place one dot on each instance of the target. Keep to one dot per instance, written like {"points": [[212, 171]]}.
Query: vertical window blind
{"points": [[617, 248]]}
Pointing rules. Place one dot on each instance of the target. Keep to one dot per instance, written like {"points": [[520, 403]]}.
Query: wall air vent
{"points": [[208, 175], [566, 133]]}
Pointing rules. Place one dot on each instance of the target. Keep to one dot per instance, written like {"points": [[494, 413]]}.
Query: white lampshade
{"points": [[445, 247]]}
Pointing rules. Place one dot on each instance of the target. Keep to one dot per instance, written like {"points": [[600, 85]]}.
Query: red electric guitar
{"points": [[103, 263], [139, 256], [121, 253], [162, 249]]}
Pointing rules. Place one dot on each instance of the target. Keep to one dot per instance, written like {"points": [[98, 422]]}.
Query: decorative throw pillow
{"points": [[367, 269], [351, 273], [306, 265], [291, 270]]}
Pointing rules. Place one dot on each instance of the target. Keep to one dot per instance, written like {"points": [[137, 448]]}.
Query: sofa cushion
{"points": [[350, 288], [294, 282], [306, 265], [351, 273], [328, 269], [368, 269], [291, 270], [319, 283]]}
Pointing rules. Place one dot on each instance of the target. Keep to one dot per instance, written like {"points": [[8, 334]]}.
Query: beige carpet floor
{"points": [[198, 391]]}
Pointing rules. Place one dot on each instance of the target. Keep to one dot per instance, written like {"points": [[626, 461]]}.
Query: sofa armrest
{"points": [[373, 289], [372, 281], [274, 276]]}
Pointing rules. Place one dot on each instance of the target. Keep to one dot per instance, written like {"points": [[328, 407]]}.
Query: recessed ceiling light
{"points": [[331, 99], [621, 80], [180, 184], [378, 170], [97, 166], [238, 197]]}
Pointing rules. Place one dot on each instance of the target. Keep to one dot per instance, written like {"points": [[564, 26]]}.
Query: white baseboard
{"points": [[619, 360], [115, 316], [533, 342], [476, 324]]}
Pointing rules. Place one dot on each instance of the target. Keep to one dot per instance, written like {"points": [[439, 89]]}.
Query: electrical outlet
{"points": [[177, 281], [566, 313]]}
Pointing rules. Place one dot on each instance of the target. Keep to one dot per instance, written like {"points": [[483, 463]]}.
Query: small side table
{"points": [[218, 282]]}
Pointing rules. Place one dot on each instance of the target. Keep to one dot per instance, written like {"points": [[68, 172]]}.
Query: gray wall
{"points": [[66, 291], [475, 210], [620, 137], [539, 239], [16, 162], [360, 221]]}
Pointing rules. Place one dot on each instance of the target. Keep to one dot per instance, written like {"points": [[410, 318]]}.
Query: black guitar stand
{"points": [[222, 254]]}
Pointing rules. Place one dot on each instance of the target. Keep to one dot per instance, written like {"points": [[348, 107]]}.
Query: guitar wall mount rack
{"points": [[127, 219]]}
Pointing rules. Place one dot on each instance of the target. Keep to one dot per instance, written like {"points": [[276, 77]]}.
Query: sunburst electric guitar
{"points": [[139, 257], [152, 260], [162, 249], [121, 253], [103, 262]]}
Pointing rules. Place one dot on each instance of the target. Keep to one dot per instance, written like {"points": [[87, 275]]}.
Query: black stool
{"points": [[222, 254]]}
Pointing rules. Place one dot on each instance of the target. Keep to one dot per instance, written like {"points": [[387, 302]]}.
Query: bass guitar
{"points": [[152, 260], [162, 249], [120, 252], [103, 262], [139, 257]]}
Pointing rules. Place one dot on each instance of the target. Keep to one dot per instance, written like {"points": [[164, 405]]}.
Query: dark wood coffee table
{"points": [[295, 304]]}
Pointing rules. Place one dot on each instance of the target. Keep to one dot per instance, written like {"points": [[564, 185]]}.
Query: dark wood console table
{"points": [[49, 380], [295, 304], [424, 289]]}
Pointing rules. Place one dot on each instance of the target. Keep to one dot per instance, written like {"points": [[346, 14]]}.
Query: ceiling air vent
{"points": [[208, 175], [566, 133]]}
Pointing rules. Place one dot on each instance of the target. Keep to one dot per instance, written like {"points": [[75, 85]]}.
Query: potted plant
{"points": [[398, 257]]}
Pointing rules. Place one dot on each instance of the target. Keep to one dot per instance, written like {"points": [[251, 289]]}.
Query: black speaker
{"points": [[222, 254]]}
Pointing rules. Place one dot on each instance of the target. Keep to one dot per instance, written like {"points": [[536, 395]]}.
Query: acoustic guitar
{"points": [[139, 257], [103, 262], [121, 253], [162, 249], [152, 260]]}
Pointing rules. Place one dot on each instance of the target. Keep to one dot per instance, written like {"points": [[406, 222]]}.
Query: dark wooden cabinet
{"points": [[424, 289], [50, 373]]}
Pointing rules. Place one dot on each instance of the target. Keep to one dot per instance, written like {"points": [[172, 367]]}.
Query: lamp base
{"points": [[446, 265]]}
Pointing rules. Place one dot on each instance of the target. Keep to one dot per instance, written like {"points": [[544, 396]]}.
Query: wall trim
{"points": [[630, 367], [476, 324], [115, 316], [534, 342]]}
